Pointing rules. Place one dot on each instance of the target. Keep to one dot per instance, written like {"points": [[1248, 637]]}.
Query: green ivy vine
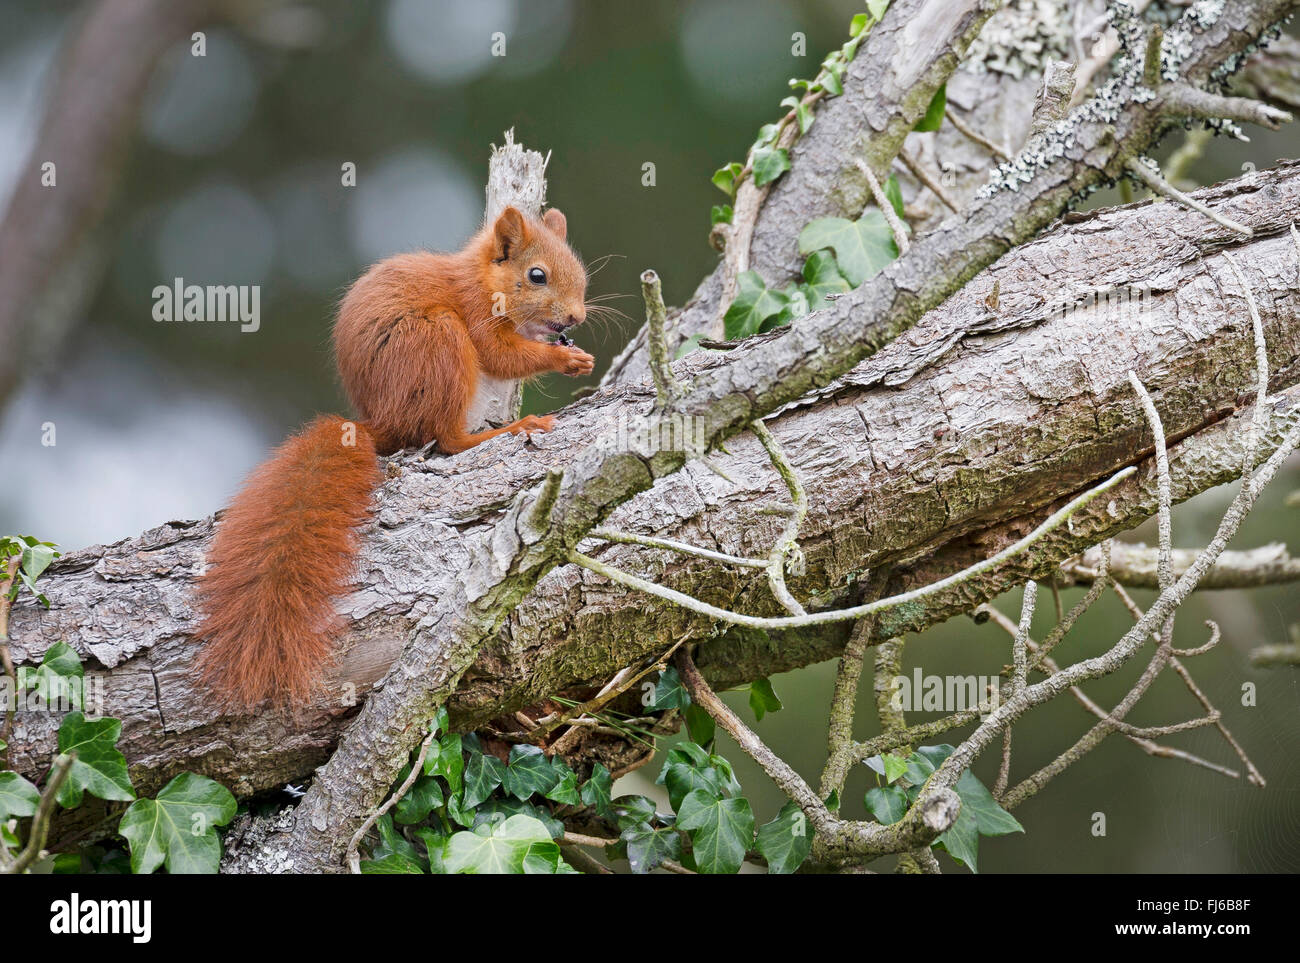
{"points": [[841, 253], [177, 829]]}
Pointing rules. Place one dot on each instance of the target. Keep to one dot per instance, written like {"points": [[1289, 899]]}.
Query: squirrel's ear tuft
{"points": [[558, 224], [508, 233]]}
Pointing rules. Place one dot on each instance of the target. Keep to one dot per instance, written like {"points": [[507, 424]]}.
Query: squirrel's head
{"points": [[535, 280]]}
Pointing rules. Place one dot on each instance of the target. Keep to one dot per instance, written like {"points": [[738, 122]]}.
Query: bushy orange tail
{"points": [[284, 550]]}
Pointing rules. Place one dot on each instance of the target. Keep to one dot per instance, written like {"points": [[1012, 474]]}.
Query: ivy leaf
{"points": [[730, 785], [763, 698], [877, 8], [565, 791], [99, 768], [68, 864], [434, 844], [496, 811], [36, 559], [720, 214], [18, 797], [961, 840], [669, 692], [648, 847], [529, 771], [52, 679], [687, 346], [804, 117], [857, 24], [803, 114], [754, 304], [545, 859], [27, 580], [887, 803], [724, 178], [766, 138], [823, 277], [861, 247], [980, 814], [392, 841], [721, 831], [394, 864], [990, 818], [831, 79], [920, 766], [462, 815], [689, 767], [630, 810], [596, 790], [448, 761], [681, 780], [483, 773], [687, 752], [441, 720], [934, 113], [500, 848], [769, 164], [786, 841], [894, 194], [179, 826], [699, 724], [895, 766], [799, 306], [424, 796]]}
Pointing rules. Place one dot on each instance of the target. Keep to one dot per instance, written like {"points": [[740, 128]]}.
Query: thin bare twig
{"points": [[353, 856], [781, 773], [611, 691], [1019, 677], [1253, 775], [844, 698], [1049, 667], [898, 228], [922, 175], [969, 132], [1055, 520], [1143, 172], [1164, 605], [1134, 565], [786, 550], [656, 319]]}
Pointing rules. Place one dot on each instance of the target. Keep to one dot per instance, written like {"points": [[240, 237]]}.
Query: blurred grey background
{"points": [[234, 177]]}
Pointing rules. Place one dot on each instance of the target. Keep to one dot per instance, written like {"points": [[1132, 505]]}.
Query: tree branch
{"points": [[442, 602]]}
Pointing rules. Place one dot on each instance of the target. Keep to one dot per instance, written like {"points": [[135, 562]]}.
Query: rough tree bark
{"points": [[952, 460], [964, 431]]}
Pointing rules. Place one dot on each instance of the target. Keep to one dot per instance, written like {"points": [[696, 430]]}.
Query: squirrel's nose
{"points": [[577, 318]]}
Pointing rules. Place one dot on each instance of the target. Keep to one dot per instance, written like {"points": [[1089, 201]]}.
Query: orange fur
{"points": [[411, 338]]}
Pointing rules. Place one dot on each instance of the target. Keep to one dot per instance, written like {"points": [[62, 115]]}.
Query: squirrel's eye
{"points": [[537, 275]]}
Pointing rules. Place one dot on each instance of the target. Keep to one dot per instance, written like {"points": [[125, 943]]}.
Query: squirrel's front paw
{"points": [[534, 423], [574, 361]]}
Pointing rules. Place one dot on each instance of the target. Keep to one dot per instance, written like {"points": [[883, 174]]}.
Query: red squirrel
{"points": [[412, 337]]}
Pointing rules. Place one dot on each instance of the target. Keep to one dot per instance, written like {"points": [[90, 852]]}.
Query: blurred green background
{"points": [[234, 178]]}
